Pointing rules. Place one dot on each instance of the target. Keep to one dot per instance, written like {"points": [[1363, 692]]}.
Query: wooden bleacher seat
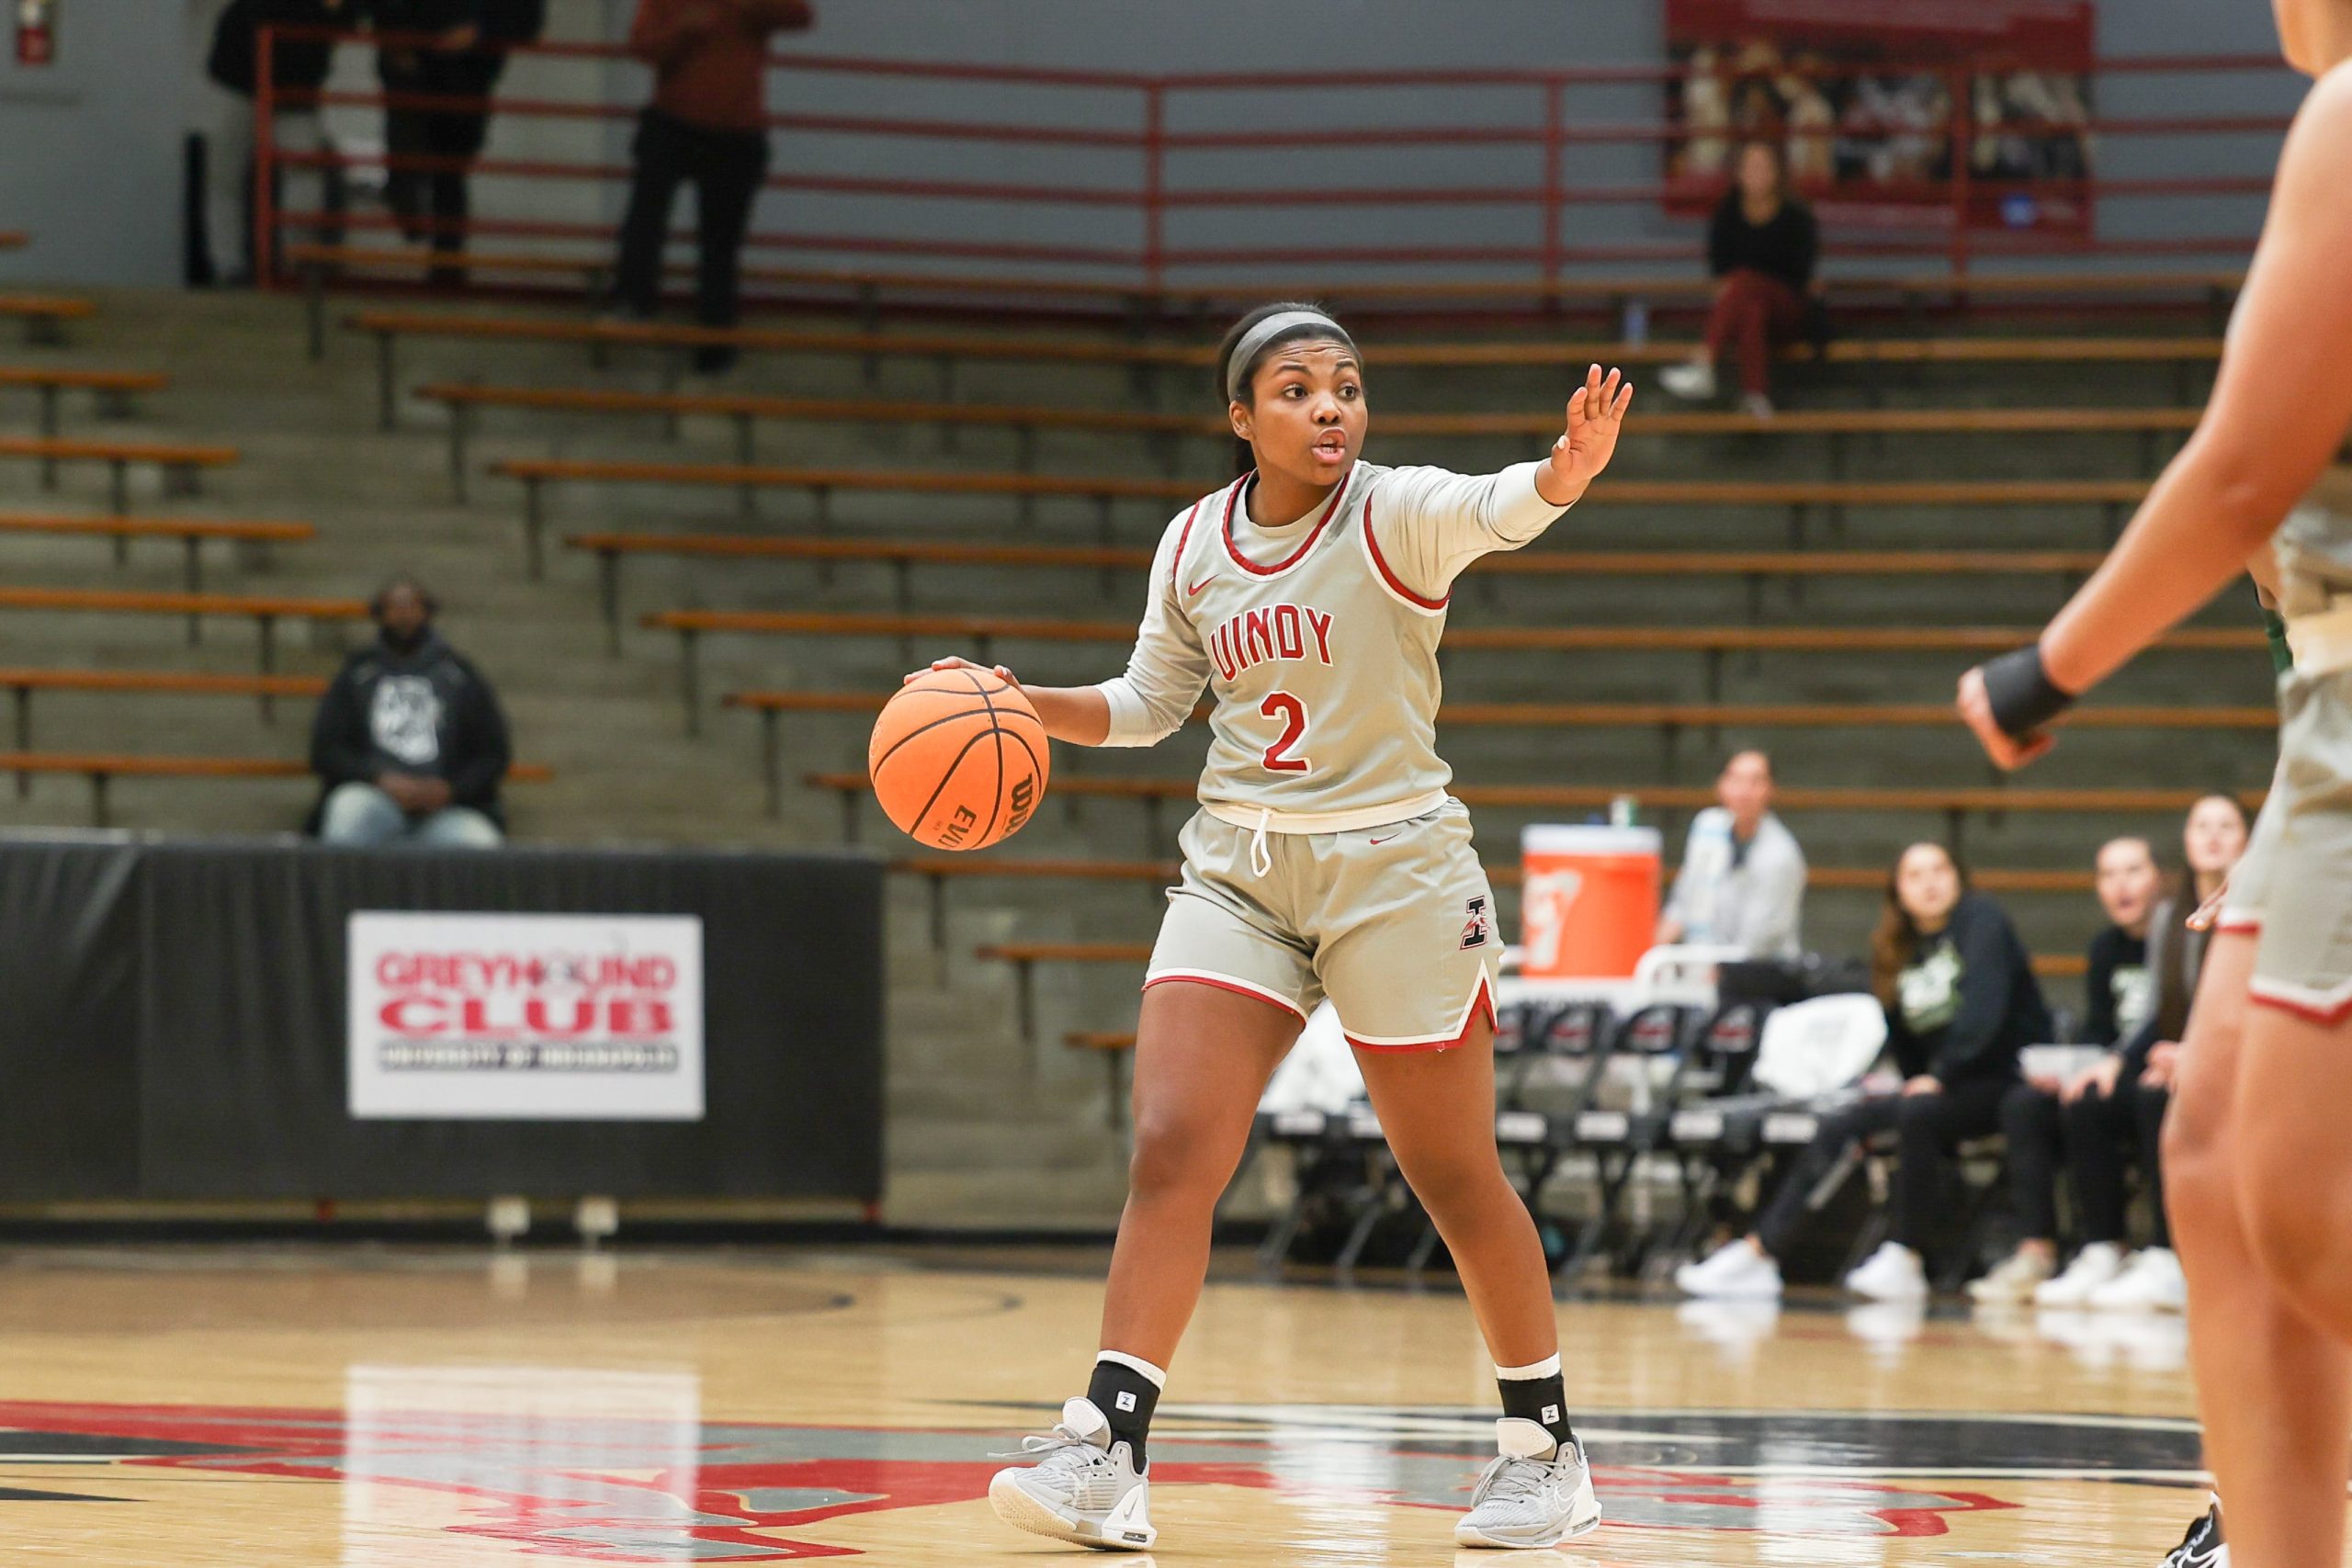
{"points": [[264, 610], [982, 632], [748, 408], [102, 768], [387, 327], [113, 389], [192, 533], [21, 684], [1956, 803], [13, 239], [180, 462], [1796, 496], [903, 554], [45, 315], [1669, 719]]}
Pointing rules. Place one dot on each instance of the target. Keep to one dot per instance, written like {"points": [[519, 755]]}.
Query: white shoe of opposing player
{"points": [[2094, 1266], [1893, 1273], [1527, 1503], [1082, 1488], [2150, 1282], [1733, 1271]]}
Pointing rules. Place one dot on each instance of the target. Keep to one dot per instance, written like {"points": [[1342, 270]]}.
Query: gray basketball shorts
{"points": [[1395, 925], [2293, 886]]}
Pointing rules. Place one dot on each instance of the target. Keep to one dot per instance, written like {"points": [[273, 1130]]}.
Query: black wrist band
{"points": [[2022, 696]]}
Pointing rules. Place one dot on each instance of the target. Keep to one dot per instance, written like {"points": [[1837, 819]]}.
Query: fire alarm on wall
{"points": [[36, 32]]}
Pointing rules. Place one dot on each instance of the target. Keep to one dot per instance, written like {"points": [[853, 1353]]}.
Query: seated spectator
{"points": [[2109, 1125], [1960, 1002], [2041, 1117], [409, 740], [1761, 246], [1741, 882]]}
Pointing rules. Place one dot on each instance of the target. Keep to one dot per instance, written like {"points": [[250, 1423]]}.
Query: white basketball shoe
{"points": [[1082, 1488], [1525, 1502]]}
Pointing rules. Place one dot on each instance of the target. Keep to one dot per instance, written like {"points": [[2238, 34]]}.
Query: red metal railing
{"points": [[1171, 129]]}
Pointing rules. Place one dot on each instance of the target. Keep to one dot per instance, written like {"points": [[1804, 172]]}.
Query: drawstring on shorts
{"points": [[1261, 854]]}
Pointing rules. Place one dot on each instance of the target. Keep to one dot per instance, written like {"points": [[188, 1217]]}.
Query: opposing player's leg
{"points": [[1205, 1043], [2270, 1382]]}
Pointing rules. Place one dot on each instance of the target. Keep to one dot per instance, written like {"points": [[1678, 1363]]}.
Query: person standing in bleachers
{"points": [[1761, 246], [2075, 1118], [409, 740], [1741, 882], [296, 67], [463, 65], [1961, 1002], [707, 124]]}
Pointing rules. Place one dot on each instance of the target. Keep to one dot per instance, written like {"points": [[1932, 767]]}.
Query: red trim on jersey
{"points": [[1371, 542], [2243, 926], [1233, 503], [1176, 566], [2304, 1010], [1238, 991], [1485, 1003]]}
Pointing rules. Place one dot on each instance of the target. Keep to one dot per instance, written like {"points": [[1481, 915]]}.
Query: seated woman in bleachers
{"points": [[2114, 1111], [1761, 246], [2042, 1119], [1960, 1002]]}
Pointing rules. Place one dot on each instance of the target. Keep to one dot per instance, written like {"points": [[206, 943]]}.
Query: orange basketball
{"points": [[958, 759]]}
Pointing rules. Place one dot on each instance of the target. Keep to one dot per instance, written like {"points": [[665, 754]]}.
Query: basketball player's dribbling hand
{"points": [[1596, 413], [999, 671]]}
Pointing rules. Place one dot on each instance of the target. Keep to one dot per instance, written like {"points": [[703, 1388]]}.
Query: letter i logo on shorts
{"points": [[1478, 924]]}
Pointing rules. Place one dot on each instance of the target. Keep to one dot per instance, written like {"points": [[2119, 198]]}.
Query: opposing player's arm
{"points": [[2280, 408], [1429, 525]]}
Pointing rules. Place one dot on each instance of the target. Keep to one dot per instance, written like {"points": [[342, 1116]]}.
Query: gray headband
{"points": [[1255, 340]]}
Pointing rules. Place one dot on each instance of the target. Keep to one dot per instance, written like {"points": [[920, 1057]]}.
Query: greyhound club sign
{"points": [[590, 1018]]}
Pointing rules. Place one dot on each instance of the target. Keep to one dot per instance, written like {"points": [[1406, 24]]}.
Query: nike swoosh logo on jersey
{"points": [[1375, 843], [1193, 592]]}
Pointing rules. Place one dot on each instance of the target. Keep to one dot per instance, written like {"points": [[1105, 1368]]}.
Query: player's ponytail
{"points": [[1252, 338]]}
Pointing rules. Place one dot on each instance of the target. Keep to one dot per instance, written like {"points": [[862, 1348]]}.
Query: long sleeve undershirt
{"points": [[1431, 525]]}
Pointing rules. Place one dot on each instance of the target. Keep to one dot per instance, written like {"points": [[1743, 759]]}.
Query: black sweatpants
{"points": [[2102, 1134], [726, 168], [2034, 1124], [1927, 1128]]}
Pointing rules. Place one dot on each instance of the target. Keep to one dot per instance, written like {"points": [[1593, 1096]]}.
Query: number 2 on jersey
{"points": [[1293, 713]]}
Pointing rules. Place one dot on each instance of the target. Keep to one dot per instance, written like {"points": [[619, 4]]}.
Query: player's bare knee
{"points": [[1168, 1165]]}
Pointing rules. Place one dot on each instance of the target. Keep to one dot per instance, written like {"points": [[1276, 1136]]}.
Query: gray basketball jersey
{"points": [[1318, 642]]}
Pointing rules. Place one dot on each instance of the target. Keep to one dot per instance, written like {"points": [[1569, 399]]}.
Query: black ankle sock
{"points": [[1126, 1397], [1544, 1401]]}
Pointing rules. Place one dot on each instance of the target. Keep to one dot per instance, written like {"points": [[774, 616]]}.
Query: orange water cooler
{"points": [[1589, 904]]}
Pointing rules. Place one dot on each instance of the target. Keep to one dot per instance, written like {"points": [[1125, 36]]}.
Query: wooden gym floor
{"points": [[410, 1408]]}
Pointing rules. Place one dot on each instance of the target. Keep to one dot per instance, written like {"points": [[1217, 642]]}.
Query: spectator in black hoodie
{"points": [[1960, 1002], [409, 740], [298, 67]]}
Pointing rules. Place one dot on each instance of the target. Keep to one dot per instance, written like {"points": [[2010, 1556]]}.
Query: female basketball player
{"points": [[1327, 859], [2258, 1171]]}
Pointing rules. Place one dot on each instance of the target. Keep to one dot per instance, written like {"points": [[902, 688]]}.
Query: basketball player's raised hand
{"points": [[1596, 413]]}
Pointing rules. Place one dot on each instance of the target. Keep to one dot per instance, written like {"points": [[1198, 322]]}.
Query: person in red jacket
{"points": [[707, 123]]}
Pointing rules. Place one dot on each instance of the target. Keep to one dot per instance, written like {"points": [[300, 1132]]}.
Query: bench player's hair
{"points": [[1223, 368]]}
